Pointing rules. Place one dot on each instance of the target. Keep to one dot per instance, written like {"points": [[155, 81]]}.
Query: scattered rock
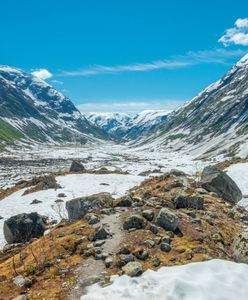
{"points": [[153, 228], [184, 201], [100, 233], [156, 261], [79, 207], [148, 214], [92, 219], [217, 181], [167, 219], [177, 173], [141, 254], [108, 262], [42, 183], [133, 269], [165, 247], [134, 221], [22, 228], [124, 250], [76, 166], [126, 258], [21, 281], [61, 195], [125, 201], [35, 201], [166, 239], [149, 244], [240, 247]]}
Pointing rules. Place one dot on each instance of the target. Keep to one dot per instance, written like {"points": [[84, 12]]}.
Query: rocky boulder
{"points": [[240, 247], [217, 181], [79, 207], [167, 219], [22, 228], [134, 221], [76, 166], [185, 201], [133, 269]]}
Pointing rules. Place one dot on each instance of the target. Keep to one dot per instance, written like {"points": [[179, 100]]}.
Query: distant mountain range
{"points": [[33, 111], [127, 127], [214, 122]]}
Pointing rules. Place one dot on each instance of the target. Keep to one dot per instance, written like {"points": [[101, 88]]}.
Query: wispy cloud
{"points": [[130, 106], [237, 35], [42, 74], [219, 56]]}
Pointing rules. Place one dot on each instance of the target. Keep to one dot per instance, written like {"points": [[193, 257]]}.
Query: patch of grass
{"points": [[8, 133]]}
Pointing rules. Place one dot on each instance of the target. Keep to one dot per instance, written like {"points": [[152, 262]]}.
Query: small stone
{"points": [[22, 281], [165, 247], [177, 173], [124, 250], [153, 228], [76, 166], [148, 214], [126, 258], [98, 243], [125, 201], [166, 239], [133, 269], [141, 254], [35, 201], [149, 244], [108, 262], [61, 195], [156, 261]]}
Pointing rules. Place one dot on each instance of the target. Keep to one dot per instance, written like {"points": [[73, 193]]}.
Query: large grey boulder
{"points": [[22, 228], [217, 181], [240, 247], [76, 166], [167, 219], [79, 207]]}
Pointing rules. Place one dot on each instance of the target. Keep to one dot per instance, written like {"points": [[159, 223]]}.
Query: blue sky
{"points": [[124, 55]]}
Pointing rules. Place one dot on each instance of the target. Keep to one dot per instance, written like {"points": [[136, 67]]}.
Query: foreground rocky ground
{"points": [[167, 220]]}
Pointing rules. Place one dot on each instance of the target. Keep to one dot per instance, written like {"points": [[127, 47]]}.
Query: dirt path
{"points": [[92, 269]]}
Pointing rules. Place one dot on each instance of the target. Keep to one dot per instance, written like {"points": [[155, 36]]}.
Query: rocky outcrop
{"points": [[217, 181], [79, 207], [22, 228]]}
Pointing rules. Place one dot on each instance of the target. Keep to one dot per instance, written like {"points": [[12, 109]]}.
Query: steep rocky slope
{"points": [[215, 121], [32, 110]]}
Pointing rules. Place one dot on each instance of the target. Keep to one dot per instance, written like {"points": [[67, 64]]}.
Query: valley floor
{"points": [[194, 281]]}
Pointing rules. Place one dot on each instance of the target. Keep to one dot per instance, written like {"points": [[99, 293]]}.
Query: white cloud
{"points": [[42, 74], [129, 106], [237, 35], [219, 56]]}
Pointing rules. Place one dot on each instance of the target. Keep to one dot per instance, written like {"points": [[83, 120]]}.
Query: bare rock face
{"points": [[167, 219], [76, 166], [79, 207], [240, 247], [22, 228], [217, 181]]}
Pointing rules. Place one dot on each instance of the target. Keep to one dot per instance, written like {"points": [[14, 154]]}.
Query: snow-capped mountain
{"points": [[109, 122], [31, 109], [126, 127], [215, 121]]}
